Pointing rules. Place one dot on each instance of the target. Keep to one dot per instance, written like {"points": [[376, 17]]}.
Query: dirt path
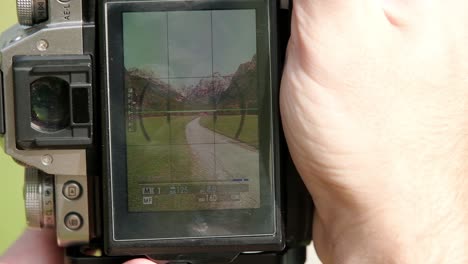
{"points": [[220, 156]]}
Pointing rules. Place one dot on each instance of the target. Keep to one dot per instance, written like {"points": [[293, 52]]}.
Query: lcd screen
{"points": [[192, 110], [192, 124]]}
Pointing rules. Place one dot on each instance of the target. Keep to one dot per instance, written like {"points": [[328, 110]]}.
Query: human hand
{"points": [[40, 247], [374, 102], [34, 246]]}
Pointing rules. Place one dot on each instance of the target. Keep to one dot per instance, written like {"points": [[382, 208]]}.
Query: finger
{"points": [[34, 246], [139, 261]]}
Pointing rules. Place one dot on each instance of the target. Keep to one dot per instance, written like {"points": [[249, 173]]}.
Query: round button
{"points": [[71, 190], [73, 221]]}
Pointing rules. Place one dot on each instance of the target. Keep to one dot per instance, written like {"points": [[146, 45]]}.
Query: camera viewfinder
{"points": [[53, 101], [50, 104]]}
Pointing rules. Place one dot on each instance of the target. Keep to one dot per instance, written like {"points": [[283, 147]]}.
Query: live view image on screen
{"points": [[192, 113]]}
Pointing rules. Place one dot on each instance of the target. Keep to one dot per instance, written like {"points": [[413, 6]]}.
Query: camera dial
{"points": [[39, 199], [31, 12]]}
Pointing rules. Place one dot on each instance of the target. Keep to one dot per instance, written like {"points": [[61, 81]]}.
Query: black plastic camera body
{"points": [[152, 128]]}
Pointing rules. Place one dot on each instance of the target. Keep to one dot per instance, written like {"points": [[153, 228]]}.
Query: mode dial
{"points": [[39, 198], [31, 12]]}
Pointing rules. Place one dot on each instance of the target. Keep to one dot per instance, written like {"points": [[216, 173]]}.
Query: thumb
{"points": [[139, 261]]}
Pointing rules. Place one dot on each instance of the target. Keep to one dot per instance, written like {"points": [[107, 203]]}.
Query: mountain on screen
{"points": [[151, 93], [242, 90]]}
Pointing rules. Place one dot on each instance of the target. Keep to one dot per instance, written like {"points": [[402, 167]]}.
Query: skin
{"points": [[34, 247], [374, 103], [40, 247]]}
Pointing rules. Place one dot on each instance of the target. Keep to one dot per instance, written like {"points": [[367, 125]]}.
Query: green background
{"points": [[12, 221]]}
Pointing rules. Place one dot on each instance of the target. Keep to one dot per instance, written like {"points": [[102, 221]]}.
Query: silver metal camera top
{"points": [[63, 34], [60, 34]]}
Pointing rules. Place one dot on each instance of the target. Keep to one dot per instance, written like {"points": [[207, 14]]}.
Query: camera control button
{"points": [[73, 221], [72, 190], [31, 12]]}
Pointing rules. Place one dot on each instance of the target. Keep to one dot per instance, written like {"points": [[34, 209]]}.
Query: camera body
{"points": [[151, 128]]}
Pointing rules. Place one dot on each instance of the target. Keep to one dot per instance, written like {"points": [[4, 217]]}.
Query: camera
{"points": [[151, 128]]}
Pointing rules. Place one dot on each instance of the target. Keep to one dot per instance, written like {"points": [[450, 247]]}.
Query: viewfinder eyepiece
{"points": [[53, 101], [50, 104]]}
